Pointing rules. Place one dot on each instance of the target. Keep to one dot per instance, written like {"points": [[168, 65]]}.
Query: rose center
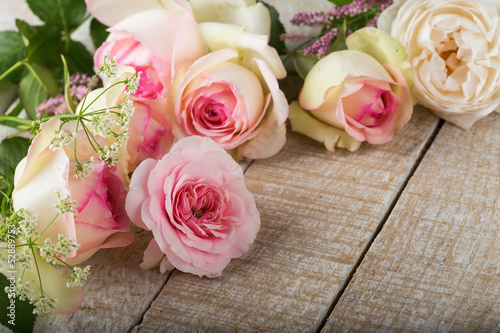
{"points": [[448, 51], [214, 114], [201, 208]]}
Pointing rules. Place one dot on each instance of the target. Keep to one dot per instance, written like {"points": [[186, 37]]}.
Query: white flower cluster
{"points": [[84, 170], [66, 205], [63, 138], [44, 305], [102, 125], [19, 229], [110, 66], [78, 276], [51, 252], [24, 290], [132, 84], [126, 112]]}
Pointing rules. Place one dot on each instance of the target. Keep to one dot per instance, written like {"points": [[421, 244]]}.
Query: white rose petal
{"points": [[454, 49]]}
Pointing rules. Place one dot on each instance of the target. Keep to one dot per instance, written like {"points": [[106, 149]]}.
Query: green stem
{"points": [[74, 143], [37, 270], [15, 119], [55, 217], [12, 68], [90, 137], [102, 93], [65, 263]]}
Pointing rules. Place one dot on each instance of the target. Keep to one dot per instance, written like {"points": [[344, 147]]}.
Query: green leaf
{"points": [[12, 151], [19, 319], [46, 78], [63, 14], [8, 94], [341, 2], [79, 59], [44, 43], [277, 29], [68, 99], [304, 63], [98, 32], [32, 93], [11, 51]]}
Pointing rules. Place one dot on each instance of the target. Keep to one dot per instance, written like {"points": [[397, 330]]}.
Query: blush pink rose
{"points": [[363, 90], [101, 221], [44, 175], [150, 134], [195, 202], [154, 42], [238, 105]]}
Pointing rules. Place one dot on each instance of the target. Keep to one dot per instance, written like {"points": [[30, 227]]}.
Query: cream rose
{"points": [[241, 108], [454, 49], [250, 14], [98, 221], [363, 91]]}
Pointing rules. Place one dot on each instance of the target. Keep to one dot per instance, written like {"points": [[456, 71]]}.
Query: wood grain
{"points": [[435, 265], [318, 211], [116, 294]]}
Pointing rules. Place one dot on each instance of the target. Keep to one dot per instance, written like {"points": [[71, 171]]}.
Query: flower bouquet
{"points": [[183, 91]]}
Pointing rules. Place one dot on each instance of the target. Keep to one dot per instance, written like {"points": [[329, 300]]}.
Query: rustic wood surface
{"points": [[436, 264], [319, 211], [117, 292]]}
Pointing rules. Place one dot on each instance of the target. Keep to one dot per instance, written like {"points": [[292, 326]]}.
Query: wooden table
{"points": [[398, 237]]}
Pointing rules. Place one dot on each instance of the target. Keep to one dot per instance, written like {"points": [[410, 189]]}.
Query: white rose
{"points": [[246, 13], [454, 49]]}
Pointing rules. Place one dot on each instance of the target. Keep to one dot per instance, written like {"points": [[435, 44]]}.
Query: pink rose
{"points": [[101, 221], [150, 135], [42, 177], [195, 202], [238, 105], [362, 90], [154, 42]]}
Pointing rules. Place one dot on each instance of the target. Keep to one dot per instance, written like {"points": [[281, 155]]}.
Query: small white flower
{"points": [[51, 252], [78, 276], [66, 205], [102, 125], [24, 290], [126, 112], [44, 305], [84, 170], [109, 154], [110, 66], [26, 224], [132, 84], [63, 138], [24, 258]]}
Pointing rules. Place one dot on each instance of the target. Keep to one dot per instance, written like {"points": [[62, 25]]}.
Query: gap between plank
{"points": [[137, 323], [346, 282]]}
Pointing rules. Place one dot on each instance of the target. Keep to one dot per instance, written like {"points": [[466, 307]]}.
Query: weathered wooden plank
{"points": [[116, 294], [435, 265], [318, 211]]}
